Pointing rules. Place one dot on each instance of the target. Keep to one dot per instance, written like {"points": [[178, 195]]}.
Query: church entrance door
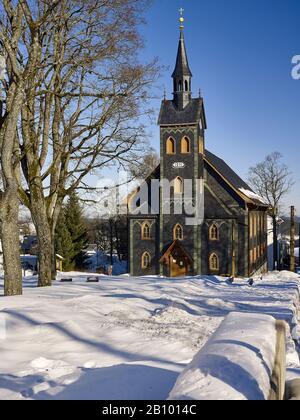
{"points": [[178, 266], [176, 261]]}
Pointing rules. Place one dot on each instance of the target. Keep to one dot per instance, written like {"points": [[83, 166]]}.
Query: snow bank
{"points": [[236, 363]]}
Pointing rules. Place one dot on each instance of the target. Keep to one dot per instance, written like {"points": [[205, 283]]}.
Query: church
{"points": [[231, 239]]}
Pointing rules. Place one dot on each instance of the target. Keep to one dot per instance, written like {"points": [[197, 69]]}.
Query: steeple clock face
{"points": [[179, 165]]}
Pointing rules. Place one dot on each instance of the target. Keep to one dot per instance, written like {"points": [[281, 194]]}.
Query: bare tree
{"points": [[12, 94], [9, 202], [82, 101], [142, 168], [111, 236], [271, 179]]}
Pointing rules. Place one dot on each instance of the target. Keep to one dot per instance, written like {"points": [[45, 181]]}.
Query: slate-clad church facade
{"points": [[232, 239]]}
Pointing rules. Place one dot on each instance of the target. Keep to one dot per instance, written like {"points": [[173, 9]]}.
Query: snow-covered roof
{"points": [[252, 195]]}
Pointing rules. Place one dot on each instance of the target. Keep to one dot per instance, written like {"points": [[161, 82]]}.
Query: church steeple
{"points": [[182, 74]]}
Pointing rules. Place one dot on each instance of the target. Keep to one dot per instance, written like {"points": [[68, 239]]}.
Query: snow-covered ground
{"points": [[124, 337]]}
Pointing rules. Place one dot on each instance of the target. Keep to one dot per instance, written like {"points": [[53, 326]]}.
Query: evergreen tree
{"points": [[63, 242], [76, 226]]}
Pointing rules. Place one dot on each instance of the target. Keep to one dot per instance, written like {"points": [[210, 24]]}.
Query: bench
{"points": [[66, 280], [92, 280]]}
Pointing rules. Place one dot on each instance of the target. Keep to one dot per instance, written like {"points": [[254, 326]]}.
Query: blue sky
{"points": [[240, 53]]}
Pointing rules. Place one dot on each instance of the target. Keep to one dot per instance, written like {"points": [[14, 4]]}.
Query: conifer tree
{"points": [[63, 242], [77, 229]]}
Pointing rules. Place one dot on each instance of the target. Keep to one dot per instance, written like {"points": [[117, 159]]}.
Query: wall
{"points": [[138, 246], [227, 210], [232, 366]]}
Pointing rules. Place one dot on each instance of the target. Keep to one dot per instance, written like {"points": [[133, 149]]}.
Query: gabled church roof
{"points": [[243, 189], [191, 114], [226, 171]]}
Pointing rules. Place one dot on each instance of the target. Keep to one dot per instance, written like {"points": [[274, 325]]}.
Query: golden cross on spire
{"points": [[181, 19]]}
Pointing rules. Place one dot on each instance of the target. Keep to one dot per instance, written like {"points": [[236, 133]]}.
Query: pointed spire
{"points": [[182, 75], [182, 65]]}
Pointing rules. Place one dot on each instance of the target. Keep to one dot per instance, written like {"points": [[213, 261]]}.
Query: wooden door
{"points": [[178, 267]]}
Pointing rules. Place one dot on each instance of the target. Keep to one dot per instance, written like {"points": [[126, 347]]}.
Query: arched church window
{"points": [[146, 260], [214, 262], [180, 85], [146, 231], [178, 185], [201, 146], [178, 233], [186, 83], [213, 233], [185, 145], [170, 146]]}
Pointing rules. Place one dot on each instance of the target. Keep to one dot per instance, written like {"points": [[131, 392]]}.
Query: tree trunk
{"points": [[56, 212], [53, 257], [45, 255], [44, 234], [10, 242], [53, 270], [275, 243]]}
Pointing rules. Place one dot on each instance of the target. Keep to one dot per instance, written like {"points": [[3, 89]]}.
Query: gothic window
{"points": [[186, 86], [214, 262], [178, 233], [185, 145], [178, 185], [251, 226], [146, 231], [170, 146], [213, 233], [180, 86], [146, 260], [251, 256], [201, 146]]}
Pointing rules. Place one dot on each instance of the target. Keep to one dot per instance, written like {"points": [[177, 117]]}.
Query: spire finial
{"points": [[181, 19]]}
